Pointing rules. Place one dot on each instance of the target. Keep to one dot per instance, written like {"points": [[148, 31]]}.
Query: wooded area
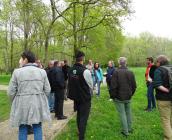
{"points": [[56, 29], [137, 49]]}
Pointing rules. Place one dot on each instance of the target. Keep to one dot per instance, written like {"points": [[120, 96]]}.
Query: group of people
{"points": [[97, 75], [159, 77], [33, 91], [57, 72]]}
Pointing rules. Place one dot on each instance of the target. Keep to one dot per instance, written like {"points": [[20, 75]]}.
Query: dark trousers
{"points": [[59, 101], [150, 96], [66, 90], [108, 86], [83, 110]]}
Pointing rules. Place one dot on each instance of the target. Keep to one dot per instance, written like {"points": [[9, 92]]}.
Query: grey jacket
{"points": [[28, 91]]}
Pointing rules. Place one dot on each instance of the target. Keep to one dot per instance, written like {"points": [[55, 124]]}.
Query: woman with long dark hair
{"points": [[98, 77]]}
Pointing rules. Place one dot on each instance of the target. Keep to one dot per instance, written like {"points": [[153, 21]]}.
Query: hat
{"points": [[79, 54]]}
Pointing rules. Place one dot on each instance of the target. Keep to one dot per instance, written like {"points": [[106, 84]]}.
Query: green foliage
{"points": [[104, 121], [137, 49], [105, 43], [4, 106], [4, 79], [48, 29]]}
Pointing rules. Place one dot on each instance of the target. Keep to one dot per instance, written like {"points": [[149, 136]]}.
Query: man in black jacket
{"points": [[80, 84], [51, 95], [163, 95], [56, 77], [123, 86], [65, 69]]}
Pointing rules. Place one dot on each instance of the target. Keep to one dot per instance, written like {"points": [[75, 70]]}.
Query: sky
{"points": [[154, 16]]}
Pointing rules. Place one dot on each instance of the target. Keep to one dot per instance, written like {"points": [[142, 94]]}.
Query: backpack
{"points": [[169, 69]]}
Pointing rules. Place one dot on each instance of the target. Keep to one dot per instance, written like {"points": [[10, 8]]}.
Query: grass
{"points": [[4, 79], [104, 122], [4, 106]]}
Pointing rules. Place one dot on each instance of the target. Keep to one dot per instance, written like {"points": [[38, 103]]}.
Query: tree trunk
{"points": [[82, 33], [46, 50], [26, 22], [6, 49], [74, 31], [12, 46]]}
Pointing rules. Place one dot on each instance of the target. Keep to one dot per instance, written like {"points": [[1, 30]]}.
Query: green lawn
{"points": [[104, 123], [4, 106], [4, 79]]}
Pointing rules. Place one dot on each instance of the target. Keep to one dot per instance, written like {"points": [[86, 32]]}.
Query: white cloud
{"points": [[153, 16]]}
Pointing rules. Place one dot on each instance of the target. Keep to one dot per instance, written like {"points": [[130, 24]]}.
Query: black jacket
{"points": [[56, 79], [152, 70], [161, 78], [78, 88], [65, 70], [123, 84]]}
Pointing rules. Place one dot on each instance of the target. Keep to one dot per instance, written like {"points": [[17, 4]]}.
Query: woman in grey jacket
{"points": [[28, 91]]}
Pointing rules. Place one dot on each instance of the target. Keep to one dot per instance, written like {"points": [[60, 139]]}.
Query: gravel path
{"points": [[3, 87], [49, 130]]}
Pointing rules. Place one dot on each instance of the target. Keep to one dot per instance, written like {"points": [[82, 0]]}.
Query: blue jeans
{"points": [[150, 96], [98, 87], [51, 101], [23, 131]]}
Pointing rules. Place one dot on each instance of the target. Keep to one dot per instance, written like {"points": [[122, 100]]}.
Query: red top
{"points": [[147, 71]]}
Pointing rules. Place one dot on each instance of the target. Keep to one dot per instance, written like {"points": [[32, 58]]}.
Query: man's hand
{"points": [[164, 89]]}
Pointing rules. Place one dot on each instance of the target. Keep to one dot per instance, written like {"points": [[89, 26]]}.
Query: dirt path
{"points": [[49, 130], [3, 87]]}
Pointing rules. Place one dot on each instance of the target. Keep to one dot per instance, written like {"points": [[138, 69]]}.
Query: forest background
{"points": [[57, 29]]}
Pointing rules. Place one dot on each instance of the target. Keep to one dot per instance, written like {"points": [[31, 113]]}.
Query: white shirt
{"points": [[88, 78]]}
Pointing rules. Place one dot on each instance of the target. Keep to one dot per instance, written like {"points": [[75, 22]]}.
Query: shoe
{"points": [[30, 130], [148, 110], [52, 111], [153, 108], [62, 118], [145, 109], [124, 134], [97, 96], [110, 100], [131, 131]]}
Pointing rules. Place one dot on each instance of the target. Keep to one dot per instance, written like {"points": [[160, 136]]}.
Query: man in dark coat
{"points": [[123, 86], [80, 85], [65, 69], [57, 86], [51, 95]]}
